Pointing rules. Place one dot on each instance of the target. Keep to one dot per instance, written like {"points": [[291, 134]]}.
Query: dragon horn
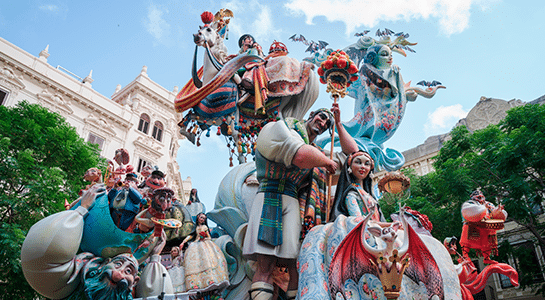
{"points": [[405, 245], [373, 251]]}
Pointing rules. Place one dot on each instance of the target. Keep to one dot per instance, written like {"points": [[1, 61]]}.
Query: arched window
{"points": [[157, 131], [143, 125]]}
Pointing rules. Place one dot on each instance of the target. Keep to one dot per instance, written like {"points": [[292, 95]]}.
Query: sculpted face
{"points": [[478, 196], [163, 200], [201, 219], [318, 124], [146, 171], [155, 181], [361, 165], [92, 175], [174, 252], [112, 281], [122, 270], [384, 60], [247, 43]]}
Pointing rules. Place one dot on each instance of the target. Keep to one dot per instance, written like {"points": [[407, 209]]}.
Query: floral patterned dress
{"points": [[204, 264], [358, 203]]}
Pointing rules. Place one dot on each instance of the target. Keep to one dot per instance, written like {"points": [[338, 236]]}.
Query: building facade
{"points": [[139, 117]]}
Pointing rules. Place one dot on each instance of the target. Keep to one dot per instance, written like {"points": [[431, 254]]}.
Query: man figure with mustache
{"points": [[125, 202], [53, 268], [285, 158]]}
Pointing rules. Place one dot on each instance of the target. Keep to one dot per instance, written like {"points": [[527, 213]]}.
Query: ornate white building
{"points": [[139, 117]]}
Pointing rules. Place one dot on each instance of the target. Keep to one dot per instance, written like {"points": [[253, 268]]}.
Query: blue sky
{"points": [[476, 48]]}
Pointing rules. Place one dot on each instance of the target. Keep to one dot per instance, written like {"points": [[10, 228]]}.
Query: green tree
{"points": [[506, 161], [42, 162], [427, 197]]}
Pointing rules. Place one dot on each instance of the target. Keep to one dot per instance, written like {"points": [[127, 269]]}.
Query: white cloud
{"points": [[452, 15], [156, 25], [443, 119], [50, 7], [254, 18], [263, 24]]}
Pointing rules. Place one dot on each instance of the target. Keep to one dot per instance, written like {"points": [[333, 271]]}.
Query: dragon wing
{"points": [[350, 261], [423, 267]]}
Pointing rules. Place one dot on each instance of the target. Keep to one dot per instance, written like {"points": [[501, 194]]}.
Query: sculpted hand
{"points": [[411, 95], [160, 243], [331, 166], [336, 112], [89, 196]]}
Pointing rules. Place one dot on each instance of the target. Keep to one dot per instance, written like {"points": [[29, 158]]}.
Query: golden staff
{"points": [[337, 71]]}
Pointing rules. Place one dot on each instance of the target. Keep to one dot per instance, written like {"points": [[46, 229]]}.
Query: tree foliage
{"points": [[42, 162], [506, 161], [426, 197]]}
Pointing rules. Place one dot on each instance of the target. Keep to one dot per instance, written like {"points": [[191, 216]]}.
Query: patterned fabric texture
{"points": [[287, 76], [205, 266], [219, 103], [312, 202]]}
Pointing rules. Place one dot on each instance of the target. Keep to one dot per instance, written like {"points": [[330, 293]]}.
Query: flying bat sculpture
{"points": [[313, 46], [429, 83], [362, 33]]}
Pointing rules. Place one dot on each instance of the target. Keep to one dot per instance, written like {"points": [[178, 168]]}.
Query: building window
{"points": [[141, 164], [505, 281], [157, 131], [172, 141], [143, 125], [526, 260], [3, 97], [94, 139]]}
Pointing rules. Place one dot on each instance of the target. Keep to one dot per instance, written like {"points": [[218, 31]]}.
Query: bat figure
{"points": [[299, 38], [312, 45], [403, 35], [428, 83], [385, 32], [362, 33], [315, 47]]}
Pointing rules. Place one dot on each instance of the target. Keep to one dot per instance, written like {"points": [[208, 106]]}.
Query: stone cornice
{"points": [[68, 89], [9, 79], [100, 124], [146, 145], [144, 85], [54, 101]]}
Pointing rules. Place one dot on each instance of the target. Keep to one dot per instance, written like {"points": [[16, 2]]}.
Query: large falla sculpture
{"points": [[342, 256]]}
